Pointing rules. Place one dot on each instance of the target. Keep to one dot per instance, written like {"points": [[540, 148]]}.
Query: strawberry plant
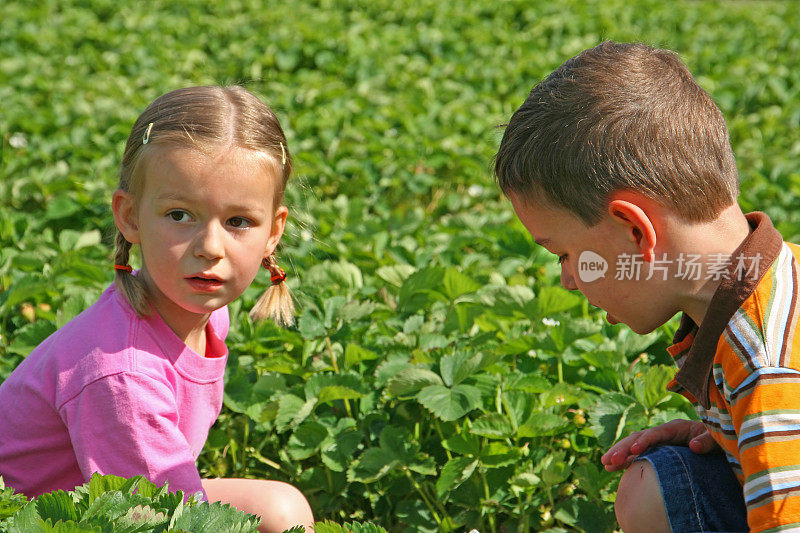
{"points": [[438, 378], [114, 504]]}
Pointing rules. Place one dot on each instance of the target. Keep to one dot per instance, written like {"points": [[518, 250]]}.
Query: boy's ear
{"points": [[278, 225], [638, 226], [124, 209]]}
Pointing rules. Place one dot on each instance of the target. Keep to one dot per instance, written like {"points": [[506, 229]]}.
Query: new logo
{"points": [[591, 266]]}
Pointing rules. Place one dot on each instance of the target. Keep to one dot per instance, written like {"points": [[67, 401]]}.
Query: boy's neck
{"points": [[720, 236]]}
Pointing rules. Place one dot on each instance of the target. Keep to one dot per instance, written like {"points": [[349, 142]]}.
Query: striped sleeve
{"points": [[762, 393]]}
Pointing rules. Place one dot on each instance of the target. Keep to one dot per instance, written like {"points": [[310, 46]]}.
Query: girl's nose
{"points": [[209, 243]]}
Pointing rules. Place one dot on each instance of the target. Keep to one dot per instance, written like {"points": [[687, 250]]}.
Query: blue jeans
{"points": [[701, 492]]}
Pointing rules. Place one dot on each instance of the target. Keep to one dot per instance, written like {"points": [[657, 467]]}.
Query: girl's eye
{"points": [[179, 216], [239, 222], [561, 259]]}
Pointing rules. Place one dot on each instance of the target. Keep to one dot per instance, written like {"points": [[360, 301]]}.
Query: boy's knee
{"points": [[639, 505]]}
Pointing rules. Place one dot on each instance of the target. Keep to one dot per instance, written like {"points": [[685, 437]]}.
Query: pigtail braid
{"points": [[276, 302], [129, 285]]}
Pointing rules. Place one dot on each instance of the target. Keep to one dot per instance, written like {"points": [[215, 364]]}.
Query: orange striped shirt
{"points": [[741, 370]]}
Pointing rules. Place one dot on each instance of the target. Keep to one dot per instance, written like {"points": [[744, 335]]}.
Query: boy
{"points": [[619, 158]]}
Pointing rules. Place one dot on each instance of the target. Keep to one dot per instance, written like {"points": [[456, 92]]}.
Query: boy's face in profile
{"points": [[590, 257]]}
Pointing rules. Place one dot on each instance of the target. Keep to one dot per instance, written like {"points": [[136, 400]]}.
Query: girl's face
{"points": [[204, 223]]}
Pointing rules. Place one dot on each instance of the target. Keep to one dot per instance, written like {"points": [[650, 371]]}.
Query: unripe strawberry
{"points": [[565, 444], [579, 419], [547, 518], [567, 490], [28, 312], [46, 307]]}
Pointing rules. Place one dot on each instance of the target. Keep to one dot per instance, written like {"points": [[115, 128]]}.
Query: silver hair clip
{"points": [[146, 136], [283, 154]]}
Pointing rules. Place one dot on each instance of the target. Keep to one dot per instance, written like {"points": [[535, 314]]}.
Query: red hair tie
{"points": [[126, 268], [278, 276]]}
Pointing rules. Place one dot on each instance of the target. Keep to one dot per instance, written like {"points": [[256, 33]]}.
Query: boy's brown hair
{"points": [[619, 117]]}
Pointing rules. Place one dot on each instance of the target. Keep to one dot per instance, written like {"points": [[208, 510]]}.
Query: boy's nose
{"points": [[210, 242], [567, 281]]}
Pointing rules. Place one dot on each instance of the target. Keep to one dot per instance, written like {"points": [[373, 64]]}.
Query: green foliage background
{"points": [[422, 388]]}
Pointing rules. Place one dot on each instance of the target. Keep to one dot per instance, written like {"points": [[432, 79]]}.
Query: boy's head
{"points": [[619, 117], [618, 153]]}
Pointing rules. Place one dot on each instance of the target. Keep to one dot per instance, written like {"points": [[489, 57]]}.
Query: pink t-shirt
{"points": [[114, 393]]}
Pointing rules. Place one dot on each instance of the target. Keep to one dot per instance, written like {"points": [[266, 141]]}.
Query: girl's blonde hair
{"points": [[205, 118]]}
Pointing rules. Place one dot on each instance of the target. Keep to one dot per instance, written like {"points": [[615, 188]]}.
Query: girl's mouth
{"points": [[202, 284]]}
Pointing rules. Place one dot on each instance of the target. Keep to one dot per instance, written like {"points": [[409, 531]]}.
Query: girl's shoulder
{"points": [[92, 345]]}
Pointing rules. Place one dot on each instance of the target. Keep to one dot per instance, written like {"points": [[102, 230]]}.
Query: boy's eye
{"points": [[239, 222], [179, 216]]}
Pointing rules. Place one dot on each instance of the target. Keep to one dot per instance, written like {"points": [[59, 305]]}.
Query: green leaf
{"points": [[26, 520], [335, 392], [238, 392], [419, 289], [653, 388], [424, 464], [339, 274], [464, 443], [292, 411], [45, 526], [554, 468], [525, 481], [457, 284], [352, 311], [213, 518], [355, 354], [609, 417], [100, 484], [457, 367], [328, 387], [10, 501], [111, 505], [560, 337], [593, 479], [551, 300], [411, 380], [497, 454], [371, 465], [140, 518], [62, 207], [395, 274], [455, 472], [306, 440], [449, 404], [493, 426], [542, 425], [350, 527], [561, 394], [338, 448], [56, 506], [399, 443], [310, 327], [530, 383]]}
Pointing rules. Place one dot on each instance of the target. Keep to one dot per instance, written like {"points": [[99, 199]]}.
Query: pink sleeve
{"points": [[127, 424]]}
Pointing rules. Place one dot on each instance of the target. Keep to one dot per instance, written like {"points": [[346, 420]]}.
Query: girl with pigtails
{"points": [[132, 385]]}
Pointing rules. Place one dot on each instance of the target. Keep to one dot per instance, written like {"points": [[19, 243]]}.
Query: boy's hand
{"points": [[678, 432]]}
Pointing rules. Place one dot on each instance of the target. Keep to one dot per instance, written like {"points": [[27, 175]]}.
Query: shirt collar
{"points": [[765, 242]]}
